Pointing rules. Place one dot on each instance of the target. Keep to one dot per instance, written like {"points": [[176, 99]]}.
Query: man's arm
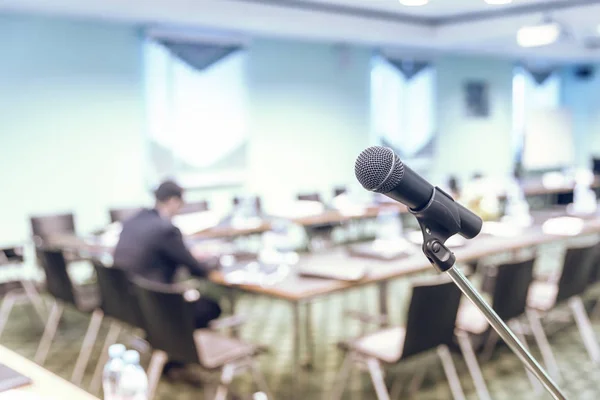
{"points": [[174, 247]]}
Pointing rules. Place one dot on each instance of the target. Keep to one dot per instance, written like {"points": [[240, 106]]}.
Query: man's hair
{"points": [[167, 190]]}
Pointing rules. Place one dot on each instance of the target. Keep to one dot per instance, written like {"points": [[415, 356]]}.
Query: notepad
{"points": [[11, 379]]}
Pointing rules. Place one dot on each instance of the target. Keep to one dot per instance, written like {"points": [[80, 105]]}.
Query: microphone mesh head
{"points": [[378, 169]]}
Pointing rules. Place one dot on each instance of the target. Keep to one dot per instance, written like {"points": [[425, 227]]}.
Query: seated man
{"points": [[152, 247]]}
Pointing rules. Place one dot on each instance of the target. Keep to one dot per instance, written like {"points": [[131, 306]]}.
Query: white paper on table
{"points": [[192, 223], [298, 209], [246, 222], [501, 229], [564, 226]]}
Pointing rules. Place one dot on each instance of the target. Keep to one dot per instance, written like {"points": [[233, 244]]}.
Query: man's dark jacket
{"points": [[152, 247]]}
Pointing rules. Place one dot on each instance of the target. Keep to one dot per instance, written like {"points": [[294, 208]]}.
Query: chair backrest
{"points": [[596, 165], [339, 190], [431, 315], [511, 285], [576, 272], [121, 214], [58, 282], [44, 226], [257, 202], [168, 319], [118, 299], [595, 267], [309, 197], [198, 206]]}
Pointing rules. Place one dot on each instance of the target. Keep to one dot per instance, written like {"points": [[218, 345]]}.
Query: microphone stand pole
{"points": [[435, 222], [505, 333]]}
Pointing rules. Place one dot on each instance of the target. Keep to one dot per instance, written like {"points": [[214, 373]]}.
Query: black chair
{"points": [[122, 214], [546, 295], [43, 227], [46, 226], [510, 285], [59, 286], [429, 326], [19, 289], [190, 208], [119, 304], [168, 315]]}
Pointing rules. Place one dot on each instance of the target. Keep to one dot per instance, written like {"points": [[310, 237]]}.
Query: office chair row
{"points": [[43, 226], [146, 308], [437, 319]]}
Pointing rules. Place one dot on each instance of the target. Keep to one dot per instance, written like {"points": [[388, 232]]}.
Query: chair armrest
{"points": [[366, 318], [228, 322]]}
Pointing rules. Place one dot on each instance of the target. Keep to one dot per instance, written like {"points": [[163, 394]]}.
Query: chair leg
{"points": [[517, 328], [157, 363], [376, 373], [35, 299], [49, 332], [542, 341], [466, 348], [111, 338], [87, 346], [7, 306], [226, 378], [490, 345], [585, 328], [259, 379], [450, 371], [342, 377], [416, 382]]}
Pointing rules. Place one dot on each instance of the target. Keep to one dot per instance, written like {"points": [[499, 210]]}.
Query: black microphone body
{"points": [[379, 170], [413, 190]]}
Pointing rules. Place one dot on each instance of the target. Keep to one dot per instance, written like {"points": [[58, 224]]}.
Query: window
{"points": [[403, 107], [196, 117], [532, 92]]}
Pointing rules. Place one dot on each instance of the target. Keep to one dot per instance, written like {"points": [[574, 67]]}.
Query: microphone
{"points": [[379, 169]]}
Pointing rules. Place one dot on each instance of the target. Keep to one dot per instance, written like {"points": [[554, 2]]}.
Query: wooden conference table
{"points": [[300, 291], [45, 385]]}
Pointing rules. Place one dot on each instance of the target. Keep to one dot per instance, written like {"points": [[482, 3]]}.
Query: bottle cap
{"points": [[131, 357], [116, 350]]}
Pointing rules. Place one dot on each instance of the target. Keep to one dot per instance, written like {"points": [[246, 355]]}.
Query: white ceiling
{"points": [[435, 8], [444, 25]]}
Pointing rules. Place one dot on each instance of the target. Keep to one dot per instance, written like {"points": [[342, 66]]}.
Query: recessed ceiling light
{"points": [[495, 2], [414, 3], [538, 35]]}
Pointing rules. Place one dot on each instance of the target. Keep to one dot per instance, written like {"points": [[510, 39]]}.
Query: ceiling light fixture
{"points": [[498, 2], [538, 35], [414, 3]]}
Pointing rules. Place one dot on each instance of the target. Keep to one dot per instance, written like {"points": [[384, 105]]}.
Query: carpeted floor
{"points": [[270, 323]]}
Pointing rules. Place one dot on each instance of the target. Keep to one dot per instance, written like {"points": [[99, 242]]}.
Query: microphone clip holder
{"points": [[439, 219]]}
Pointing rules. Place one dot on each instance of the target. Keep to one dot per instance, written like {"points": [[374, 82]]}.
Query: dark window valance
{"points": [[539, 75], [199, 55], [409, 68]]}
